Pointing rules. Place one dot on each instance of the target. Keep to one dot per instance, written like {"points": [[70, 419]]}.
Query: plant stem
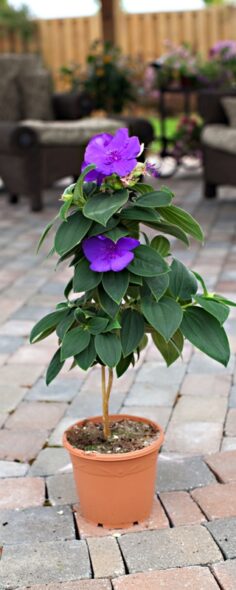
{"points": [[106, 390]]}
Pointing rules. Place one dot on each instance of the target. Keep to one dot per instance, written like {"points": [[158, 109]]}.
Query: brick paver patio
{"points": [[190, 539]]}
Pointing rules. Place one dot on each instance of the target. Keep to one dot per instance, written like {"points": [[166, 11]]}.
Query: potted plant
{"points": [[125, 288]]}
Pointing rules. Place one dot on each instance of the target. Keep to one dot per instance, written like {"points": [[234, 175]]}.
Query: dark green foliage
{"points": [[108, 322]]}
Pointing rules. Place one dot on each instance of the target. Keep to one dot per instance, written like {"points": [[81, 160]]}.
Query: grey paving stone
{"points": [[90, 404], [232, 397], [53, 288], [13, 469], [61, 390], [81, 585], [105, 557], [228, 443], [181, 473], [177, 547], [29, 564], [152, 394], [204, 364], [9, 344], [61, 489], [224, 533], [31, 312], [160, 415], [159, 374], [10, 397], [57, 434], [36, 525], [51, 461]]}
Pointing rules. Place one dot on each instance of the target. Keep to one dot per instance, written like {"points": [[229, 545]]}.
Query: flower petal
{"points": [[132, 149], [122, 167], [101, 265], [93, 175], [94, 248], [127, 244], [120, 262], [120, 139]]}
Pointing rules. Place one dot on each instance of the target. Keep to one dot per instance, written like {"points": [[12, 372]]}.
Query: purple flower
{"points": [[151, 169], [106, 255], [111, 154]]}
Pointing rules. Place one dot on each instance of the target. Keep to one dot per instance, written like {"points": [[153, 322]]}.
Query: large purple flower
{"points": [[111, 155], [106, 255]]}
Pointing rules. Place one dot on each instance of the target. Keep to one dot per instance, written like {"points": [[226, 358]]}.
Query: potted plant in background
{"points": [[125, 287], [108, 78]]}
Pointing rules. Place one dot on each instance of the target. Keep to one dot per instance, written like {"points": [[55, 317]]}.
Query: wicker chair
{"points": [[43, 135], [218, 141]]}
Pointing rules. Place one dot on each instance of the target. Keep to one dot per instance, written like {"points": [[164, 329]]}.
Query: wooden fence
{"points": [[142, 36]]}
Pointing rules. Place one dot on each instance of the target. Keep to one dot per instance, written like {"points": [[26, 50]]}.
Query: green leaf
{"points": [[65, 208], [161, 245], [84, 278], [183, 220], [69, 190], [143, 188], [154, 199], [108, 348], [65, 324], [74, 342], [201, 281], [171, 229], [71, 232], [100, 208], [123, 365], [183, 283], [87, 357], [144, 215], [116, 233], [78, 190], [49, 322], [219, 310], [54, 367], [205, 332], [158, 285], [132, 331], [165, 316], [147, 262], [115, 284], [222, 299], [96, 325], [171, 350], [109, 306], [68, 288], [112, 325], [136, 280], [45, 233], [97, 229]]}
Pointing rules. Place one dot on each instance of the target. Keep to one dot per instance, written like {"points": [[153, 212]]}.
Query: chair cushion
{"points": [[220, 137], [71, 132], [36, 93], [229, 105]]}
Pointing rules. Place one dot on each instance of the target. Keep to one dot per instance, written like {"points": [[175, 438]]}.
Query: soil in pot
{"points": [[126, 435]]}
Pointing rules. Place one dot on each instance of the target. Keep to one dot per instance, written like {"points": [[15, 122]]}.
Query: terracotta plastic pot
{"points": [[116, 490]]}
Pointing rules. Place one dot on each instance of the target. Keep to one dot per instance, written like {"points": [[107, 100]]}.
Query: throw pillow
{"points": [[9, 98], [229, 105], [36, 94]]}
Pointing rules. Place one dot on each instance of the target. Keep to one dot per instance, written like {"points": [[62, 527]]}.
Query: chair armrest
{"points": [[14, 136], [68, 106], [210, 107]]}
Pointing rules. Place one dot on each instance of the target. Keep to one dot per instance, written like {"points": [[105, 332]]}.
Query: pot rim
{"points": [[154, 446]]}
